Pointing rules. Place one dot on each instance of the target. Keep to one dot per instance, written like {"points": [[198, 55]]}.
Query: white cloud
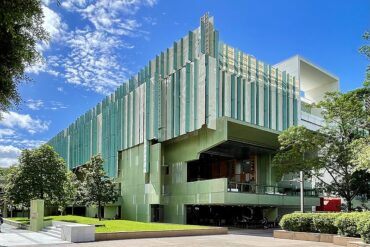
{"points": [[34, 104], [93, 62], [6, 132], [57, 30], [56, 105], [60, 89], [93, 58], [54, 25], [37, 104], [23, 121], [150, 20], [17, 126], [21, 142], [8, 155]]}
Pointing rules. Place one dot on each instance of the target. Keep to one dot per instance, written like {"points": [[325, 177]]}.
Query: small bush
{"points": [[347, 224], [298, 222], [363, 228], [325, 223]]}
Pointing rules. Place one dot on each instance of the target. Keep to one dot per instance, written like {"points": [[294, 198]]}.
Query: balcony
{"points": [[267, 189], [311, 118]]}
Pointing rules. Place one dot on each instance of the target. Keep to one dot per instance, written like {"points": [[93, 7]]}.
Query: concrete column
{"points": [[37, 215]]}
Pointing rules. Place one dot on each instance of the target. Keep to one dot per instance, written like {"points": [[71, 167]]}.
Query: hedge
{"points": [[325, 223], [310, 222], [346, 224], [363, 228]]}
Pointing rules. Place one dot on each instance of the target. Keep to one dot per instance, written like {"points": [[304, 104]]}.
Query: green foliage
{"points": [[298, 222], [365, 49], [306, 107], [3, 171], [70, 192], [298, 149], [325, 222], [363, 228], [310, 222], [20, 29], [99, 189], [331, 149], [41, 174], [347, 224], [361, 151]]}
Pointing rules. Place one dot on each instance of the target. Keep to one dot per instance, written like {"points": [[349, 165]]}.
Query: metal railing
{"points": [[267, 189]]}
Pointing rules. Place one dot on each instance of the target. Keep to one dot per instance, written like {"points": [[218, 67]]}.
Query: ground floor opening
{"points": [[241, 216]]}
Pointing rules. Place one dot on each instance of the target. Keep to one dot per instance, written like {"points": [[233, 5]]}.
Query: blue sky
{"points": [[97, 45]]}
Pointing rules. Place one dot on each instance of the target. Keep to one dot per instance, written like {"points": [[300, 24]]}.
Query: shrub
{"points": [[298, 222], [347, 224], [325, 222], [363, 228]]}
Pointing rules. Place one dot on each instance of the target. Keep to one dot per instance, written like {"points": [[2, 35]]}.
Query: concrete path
{"points": [[11, 236], [236, 238]]}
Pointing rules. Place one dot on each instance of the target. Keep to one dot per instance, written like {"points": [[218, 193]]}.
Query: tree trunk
{"points": [[99, 211], [349, 204], [73, 209]]}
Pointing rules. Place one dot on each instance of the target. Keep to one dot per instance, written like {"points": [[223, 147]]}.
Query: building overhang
{"points": [[254, 135], [314, 81], [189, 146]]}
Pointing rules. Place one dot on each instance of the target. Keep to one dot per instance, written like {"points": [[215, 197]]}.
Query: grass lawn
{"points": [[116, 225]]}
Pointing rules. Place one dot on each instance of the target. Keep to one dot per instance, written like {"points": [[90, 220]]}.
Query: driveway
{"points": [[11, 236], [235, 238]]}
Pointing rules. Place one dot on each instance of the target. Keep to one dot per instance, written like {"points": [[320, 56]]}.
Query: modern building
{"points": [[191, 137]]}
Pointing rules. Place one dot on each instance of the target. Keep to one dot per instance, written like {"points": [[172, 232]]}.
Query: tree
{"points": [[361, 151], [41, 174], [20, 30], [99, 188], [329, 152], [73, 193], [365, 49], [3, 171], [69, 194]]}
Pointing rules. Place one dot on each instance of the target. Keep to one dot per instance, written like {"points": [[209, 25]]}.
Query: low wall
{"points": [[102, 236], [77, 233], [357, 244], [16, 224], [320, 237]]}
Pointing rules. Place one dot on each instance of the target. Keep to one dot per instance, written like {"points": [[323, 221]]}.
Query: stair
{"points": [[52, 231]]}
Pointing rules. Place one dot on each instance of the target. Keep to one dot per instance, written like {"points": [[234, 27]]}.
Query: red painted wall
{"points": [[329, 204]]}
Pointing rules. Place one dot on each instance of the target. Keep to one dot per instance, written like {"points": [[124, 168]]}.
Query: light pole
{"points": [[301, 181]]}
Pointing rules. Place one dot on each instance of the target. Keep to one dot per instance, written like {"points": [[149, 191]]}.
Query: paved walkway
{"points": [[11, 236], [236, 238]]}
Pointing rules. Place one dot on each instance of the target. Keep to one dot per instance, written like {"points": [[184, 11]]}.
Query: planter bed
{"points": [[320, 237], [16, 224], [102, 236]]}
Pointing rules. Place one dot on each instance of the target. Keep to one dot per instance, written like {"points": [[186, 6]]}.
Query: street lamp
{"points": [[301, 181]]}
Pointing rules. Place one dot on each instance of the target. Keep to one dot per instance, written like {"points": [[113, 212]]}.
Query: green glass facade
{"points": [[187, 94]]}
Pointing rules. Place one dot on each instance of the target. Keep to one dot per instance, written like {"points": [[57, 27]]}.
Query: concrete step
{"points": [[53, 228], [52, 231], [51, 234]]}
